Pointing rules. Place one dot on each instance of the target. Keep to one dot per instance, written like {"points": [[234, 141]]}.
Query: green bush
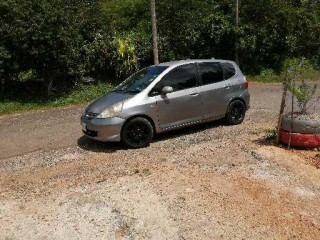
{"points": [[84, 94], [267, 75], [80, 95], [304, 68], [58, 42]]}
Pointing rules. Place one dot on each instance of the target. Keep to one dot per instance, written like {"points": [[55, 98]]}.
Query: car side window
{"points": [[210, 72], [229, 70], [180, 78]]}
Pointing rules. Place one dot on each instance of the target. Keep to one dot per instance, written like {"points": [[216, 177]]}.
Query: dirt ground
{"points": [[206, 182]]}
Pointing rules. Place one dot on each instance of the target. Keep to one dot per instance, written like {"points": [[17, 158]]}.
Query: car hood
{"points": [[106, 101]]}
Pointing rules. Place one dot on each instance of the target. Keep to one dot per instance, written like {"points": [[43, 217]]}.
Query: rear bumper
{"points": [[246, 97], [105, 130]]}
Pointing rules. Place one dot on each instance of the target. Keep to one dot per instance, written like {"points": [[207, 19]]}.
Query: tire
{"points": [[300, 126], [235, 113], [137, 133], [300, 140]]}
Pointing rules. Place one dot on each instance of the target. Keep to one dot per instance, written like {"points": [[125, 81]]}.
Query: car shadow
{"points": [[91, 145], [188, 130]]}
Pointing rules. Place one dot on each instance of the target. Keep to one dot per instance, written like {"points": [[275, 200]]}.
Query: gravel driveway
{"points": [[205, 182]]}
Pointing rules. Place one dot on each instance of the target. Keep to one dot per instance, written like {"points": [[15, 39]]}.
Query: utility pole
{"points": [[237, 28], [154, 33]]}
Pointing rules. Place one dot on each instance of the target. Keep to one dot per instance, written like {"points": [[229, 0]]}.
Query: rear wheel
{"points": [[235, 113], [137, 133]]}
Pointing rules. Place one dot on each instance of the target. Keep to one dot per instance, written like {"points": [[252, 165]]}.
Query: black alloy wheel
{"points": [[137, 133], [236, 112]]}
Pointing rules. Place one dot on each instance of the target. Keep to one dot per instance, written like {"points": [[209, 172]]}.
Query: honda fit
{"points": [[165, 97]]}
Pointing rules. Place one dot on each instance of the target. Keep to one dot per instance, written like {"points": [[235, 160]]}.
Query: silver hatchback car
{"points": [[165, 97]]}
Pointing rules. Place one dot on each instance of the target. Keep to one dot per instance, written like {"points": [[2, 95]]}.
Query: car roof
{"points": [[181, 62]]}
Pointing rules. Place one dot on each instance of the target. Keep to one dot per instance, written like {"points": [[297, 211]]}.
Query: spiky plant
{"points": [[303, 93]]}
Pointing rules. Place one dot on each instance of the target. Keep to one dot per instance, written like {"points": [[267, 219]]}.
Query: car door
{"points": [[237, 83], [183, 105], [215, 91]]}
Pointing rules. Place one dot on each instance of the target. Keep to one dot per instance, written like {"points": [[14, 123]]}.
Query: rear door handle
{"points": [[227, 87], [194, 94]]}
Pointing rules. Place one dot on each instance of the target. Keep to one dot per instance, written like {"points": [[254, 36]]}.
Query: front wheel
{"points": [[137, 133], [235, 113]]}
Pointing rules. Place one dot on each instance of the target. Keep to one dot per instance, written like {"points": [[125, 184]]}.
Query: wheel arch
{"points": [[240, 99], [142, 116]]}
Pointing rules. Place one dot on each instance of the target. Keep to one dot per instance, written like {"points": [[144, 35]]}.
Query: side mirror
{"points": [[167, 89]]}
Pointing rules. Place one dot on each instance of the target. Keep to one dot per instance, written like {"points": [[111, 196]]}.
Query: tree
{"points": [[56, 40], [154, 33], [60, 41]]}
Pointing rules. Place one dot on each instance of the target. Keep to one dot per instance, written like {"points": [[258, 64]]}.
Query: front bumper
{"points": [[105, 130]]}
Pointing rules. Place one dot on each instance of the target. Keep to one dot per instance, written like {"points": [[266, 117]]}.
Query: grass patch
{"points": [[269, 76], [81, 95], [271, 135], [305, 69], [266, 76]]}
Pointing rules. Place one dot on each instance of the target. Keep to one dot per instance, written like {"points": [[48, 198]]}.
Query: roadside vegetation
{"points": [[80, 95], [308, 72], [48, 47]]}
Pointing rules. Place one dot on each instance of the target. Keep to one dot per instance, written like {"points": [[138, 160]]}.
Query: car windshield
{"points": [[140, 80]]}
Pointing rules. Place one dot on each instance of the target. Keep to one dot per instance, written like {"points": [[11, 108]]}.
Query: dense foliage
{"points": [[55, 41], [58, 42]]}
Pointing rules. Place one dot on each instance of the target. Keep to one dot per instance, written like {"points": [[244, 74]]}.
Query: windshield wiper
{"points": [[133, 91], [118, 90]]}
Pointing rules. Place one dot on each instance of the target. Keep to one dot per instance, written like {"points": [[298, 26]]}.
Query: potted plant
{"points": [[301, 128]]}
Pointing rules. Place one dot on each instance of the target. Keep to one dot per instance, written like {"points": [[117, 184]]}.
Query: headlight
{"points": [[112, 111]]}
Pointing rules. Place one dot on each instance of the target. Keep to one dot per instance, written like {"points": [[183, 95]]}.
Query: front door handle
{"points": [[227, 87], [194, 94]]}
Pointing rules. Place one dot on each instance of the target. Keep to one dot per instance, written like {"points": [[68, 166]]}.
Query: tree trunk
{"points": [[50, 88], [154, 33], [237, 40], [2, 84], [283, 104]]}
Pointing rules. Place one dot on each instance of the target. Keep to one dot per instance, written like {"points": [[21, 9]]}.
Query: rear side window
{"points": [[180, 78], [229, 70], [210, 73]]}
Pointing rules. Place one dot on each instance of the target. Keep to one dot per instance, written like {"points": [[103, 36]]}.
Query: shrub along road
{"points": [[206, 182]]}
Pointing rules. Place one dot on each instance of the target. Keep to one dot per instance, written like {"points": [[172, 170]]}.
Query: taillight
{"points": [[247, 85]]}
